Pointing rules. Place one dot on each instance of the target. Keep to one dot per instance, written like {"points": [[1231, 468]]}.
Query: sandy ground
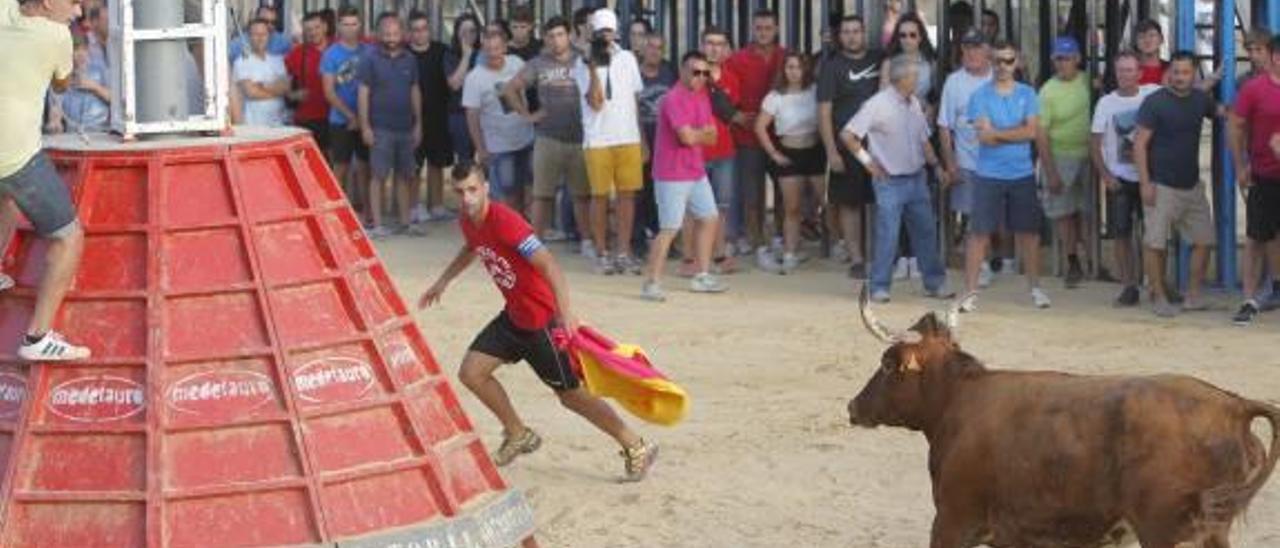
{"points": [[767, 456]]}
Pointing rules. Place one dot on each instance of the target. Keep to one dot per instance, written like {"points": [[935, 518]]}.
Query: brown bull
{"points": [[1039, 459]]}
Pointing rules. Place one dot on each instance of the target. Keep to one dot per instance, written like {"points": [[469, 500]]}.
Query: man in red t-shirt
{"points": [[1254, 127], [756, 65], [537, 302], [303, 64], [1148, 40]]}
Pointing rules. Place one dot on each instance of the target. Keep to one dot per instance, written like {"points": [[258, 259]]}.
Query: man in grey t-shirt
{"points": [[1166, 151], [502, 137], [557, 149]]}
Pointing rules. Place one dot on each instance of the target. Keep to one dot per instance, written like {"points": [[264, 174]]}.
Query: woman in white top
{"points": [[797, 157]]}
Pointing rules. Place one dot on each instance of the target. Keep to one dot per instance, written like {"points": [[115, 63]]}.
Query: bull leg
{"points": [[951, 529]]}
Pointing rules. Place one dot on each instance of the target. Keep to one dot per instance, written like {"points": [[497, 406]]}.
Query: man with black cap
{"points": [[958, 137]]}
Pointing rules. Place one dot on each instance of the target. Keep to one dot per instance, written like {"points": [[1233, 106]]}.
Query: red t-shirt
{"points": [[303, 64], [503, 242], [724, 139], [1153, 74], [756, 73], [1259, 104]]}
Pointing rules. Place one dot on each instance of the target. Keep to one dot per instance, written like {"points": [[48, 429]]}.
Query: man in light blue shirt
{"points": [[277, 44], [959, 138], [1006, 115]]}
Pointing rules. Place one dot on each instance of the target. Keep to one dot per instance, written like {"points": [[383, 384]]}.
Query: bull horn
{"points": [[872, 323]]}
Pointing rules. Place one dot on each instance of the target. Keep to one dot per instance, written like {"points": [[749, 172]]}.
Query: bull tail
{"points": [[1223, 503]]}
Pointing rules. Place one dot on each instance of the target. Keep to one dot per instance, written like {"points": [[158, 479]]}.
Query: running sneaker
{"points": [[513, 446], [1039, 298], [1008, 266], [901, 270], [604, 266], [789, 263], [1248, 311], [941, 293], [626, 264], [553, 235], [985, 275], [651, 291], [766, 261], [52, 348], [380, 233], [969, 303], [839, 253], [419, 214], [742, 247], [6, 281], [1164, 309], [1127, 298], [637, 460], [880, 296], [587, 249], [707, 283]]}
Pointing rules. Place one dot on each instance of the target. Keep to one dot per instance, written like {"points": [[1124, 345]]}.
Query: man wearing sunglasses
{"points": [[685, 127], [1006, 114]]}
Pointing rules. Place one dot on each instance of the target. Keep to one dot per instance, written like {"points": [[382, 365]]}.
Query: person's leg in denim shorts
{"points": [[41, 195]]}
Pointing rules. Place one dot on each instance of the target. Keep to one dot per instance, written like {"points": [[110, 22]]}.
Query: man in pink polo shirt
{"points": [[680, 184], [756, 66], [1254, 128]]}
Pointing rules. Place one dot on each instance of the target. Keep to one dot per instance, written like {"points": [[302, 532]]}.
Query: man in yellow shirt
{"points": [[38, 29]]}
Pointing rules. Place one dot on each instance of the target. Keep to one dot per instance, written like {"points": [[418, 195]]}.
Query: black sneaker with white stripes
{"points": [[52, 348]]}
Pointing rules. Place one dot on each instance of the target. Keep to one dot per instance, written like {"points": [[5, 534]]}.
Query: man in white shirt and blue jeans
{"points": [[263, 80], [893, 122]]}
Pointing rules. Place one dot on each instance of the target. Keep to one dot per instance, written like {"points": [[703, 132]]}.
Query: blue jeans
{"points": [[905, 200], [510, 171]]}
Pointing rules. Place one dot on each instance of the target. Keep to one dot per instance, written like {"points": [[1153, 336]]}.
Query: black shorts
{"points": [[1262, 210], [436, 148], [1124, 209], [503, 340], [805, 162], [319, 131], [343, 143], [853, 187]]}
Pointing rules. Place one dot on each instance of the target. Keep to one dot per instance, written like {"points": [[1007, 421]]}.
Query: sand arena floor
{"points": [[767, 456]]}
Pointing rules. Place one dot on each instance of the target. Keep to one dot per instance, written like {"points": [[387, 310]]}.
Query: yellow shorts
{"points": [[617, 168]]}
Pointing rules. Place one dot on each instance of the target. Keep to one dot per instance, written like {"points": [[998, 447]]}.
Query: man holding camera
{"points": [[614, 152]]}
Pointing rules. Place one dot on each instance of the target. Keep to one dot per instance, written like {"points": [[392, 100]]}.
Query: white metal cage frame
{"points": [[214, 69]]}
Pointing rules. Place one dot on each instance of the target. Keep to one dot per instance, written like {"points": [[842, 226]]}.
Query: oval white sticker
{"points": [[220, 392], [98, 398], [13, 391], [333, 379]]}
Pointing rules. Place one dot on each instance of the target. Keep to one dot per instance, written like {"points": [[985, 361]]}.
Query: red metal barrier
{"points": [[256, 378]]}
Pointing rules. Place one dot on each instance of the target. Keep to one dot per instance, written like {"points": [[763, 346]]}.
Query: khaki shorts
{"points": [[617, 168], [555, 161], [1186, 210], [1071, 200]]}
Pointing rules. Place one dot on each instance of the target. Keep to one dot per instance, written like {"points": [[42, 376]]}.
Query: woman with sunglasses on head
{"points": [[797, 156], [911, 39]]}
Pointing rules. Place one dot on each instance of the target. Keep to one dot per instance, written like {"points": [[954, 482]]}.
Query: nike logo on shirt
{"points": [[866, 74]]}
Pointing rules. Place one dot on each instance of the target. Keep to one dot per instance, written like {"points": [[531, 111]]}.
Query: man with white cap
{"points": [[610, 79]]}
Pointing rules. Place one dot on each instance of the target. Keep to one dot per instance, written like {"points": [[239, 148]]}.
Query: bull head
{"points": [[896, 394]]}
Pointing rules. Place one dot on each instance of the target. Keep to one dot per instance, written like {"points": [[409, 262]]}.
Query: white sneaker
{"points": [[625, 264], [440, 213], [880, 296], [6, 281], [379, 232], [553, 235], [839, 253], [985, 275], [902, 270], [742, 247], [587, 249], [1039, 298], [789, 263], [1008, 267], [604, 266], [419, 214], [776, 245], [707, 283], [52, 348], [913, 268], [766, 261], [968, 303], [651, 291]]}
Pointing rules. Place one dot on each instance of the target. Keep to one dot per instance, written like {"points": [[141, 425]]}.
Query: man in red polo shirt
{"points": [[1254, 127], [303, 64], [537, 302], [756, 65]]}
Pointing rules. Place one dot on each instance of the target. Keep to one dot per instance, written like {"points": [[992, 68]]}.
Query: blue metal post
{"points": [[1273, 15], [1184, 39], [1227, 190]]}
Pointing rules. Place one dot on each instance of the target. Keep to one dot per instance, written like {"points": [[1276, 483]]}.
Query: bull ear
{"points": [[910, 363]]}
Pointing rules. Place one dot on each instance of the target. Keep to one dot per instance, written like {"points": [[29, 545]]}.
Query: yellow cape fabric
{"points": [[655, 399]]}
